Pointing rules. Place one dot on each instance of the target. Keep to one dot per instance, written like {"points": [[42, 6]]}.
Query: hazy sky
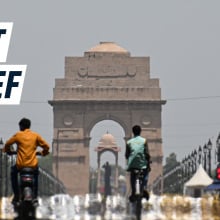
{"points": [[181, 38]]}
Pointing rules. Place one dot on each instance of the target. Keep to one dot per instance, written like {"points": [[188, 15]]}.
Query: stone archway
{"points": [[107, 143], [106, 83]]}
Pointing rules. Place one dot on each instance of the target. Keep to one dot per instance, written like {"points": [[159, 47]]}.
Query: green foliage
{"points": [[46, 163], [171, 162]]}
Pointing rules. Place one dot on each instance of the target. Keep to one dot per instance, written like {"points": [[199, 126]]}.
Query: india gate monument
{"points": [[107, 83]]}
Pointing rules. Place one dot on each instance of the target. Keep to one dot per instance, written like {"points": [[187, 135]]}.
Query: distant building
{"points": [[107, 143]]}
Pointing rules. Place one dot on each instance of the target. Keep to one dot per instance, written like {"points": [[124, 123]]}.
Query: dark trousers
{"points": [[132, 180], [14, 181]]}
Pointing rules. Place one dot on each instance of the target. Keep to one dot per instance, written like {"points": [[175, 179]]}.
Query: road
{"points": [[90, 207]]}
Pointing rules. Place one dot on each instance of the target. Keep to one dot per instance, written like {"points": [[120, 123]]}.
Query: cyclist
{"points": [[27, 142], [138, 157]]}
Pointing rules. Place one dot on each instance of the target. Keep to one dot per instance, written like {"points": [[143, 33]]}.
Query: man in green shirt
{"points": [[138, 157]]}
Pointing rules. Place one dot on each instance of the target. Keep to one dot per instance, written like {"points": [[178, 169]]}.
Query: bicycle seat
{"points": [[27, 170], [137, 171]]}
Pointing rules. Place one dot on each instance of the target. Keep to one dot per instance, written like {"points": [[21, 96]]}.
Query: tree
{"points": [[46, 163], [171, 162]]}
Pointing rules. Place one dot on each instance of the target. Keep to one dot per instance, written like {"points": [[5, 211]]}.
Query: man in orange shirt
{"points": [[27, 142]]}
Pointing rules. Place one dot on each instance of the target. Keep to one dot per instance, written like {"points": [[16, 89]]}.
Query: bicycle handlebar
{"points": [[38, 153]]}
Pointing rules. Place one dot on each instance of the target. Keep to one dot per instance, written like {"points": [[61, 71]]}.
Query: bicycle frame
{"points": [[139, 175]]}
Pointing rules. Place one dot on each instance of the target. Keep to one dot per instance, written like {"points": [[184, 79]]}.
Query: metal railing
{"points": [[48, 184], [173, 180]]}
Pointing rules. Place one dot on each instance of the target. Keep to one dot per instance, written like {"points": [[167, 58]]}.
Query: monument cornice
{"points": [[101, 102]]}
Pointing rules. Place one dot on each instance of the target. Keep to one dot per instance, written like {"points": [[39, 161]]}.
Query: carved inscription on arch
{"points": [[107, 70]]}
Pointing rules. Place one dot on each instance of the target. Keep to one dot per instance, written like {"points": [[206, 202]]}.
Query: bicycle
{"points": [[137, 203]]}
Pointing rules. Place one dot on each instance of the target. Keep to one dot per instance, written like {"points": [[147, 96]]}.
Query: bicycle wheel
{"points": [[138, 208]]}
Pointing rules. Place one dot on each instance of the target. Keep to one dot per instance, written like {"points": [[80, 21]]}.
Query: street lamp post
{"points": [[57, 158], [209, 147], [184, 169], [189, 166], [200, 155], [181, 175], [205, 153], [6, 175], [194, 156], [218, 149], [195, 159], [1, 163]]}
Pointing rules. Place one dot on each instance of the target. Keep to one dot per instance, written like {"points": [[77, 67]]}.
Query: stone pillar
{"points": [[116, 172], [99, 174]]}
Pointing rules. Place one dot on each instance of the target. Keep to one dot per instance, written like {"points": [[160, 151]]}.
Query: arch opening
{"points": [[98, 130]]}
